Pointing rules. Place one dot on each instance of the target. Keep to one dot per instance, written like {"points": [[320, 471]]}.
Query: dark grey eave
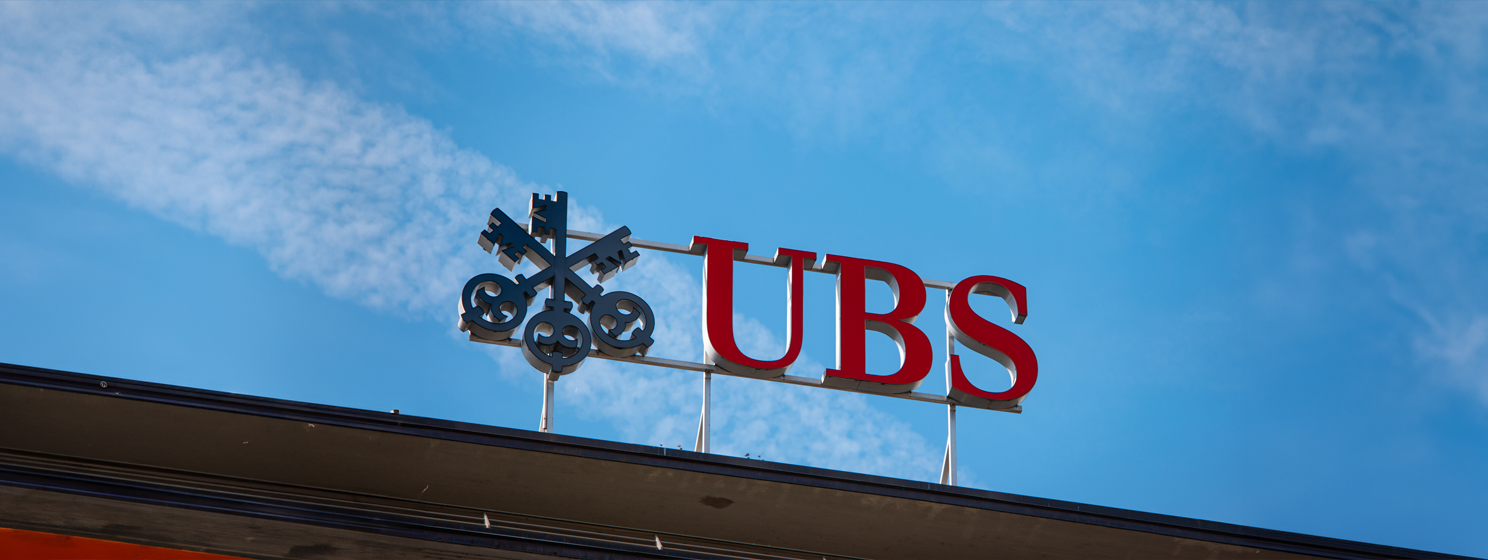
{"points": [[659, 457]]}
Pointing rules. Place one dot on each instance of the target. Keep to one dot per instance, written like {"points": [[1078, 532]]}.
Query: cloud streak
{"points": [[364, 200], [368, 202], [1393, 91]]}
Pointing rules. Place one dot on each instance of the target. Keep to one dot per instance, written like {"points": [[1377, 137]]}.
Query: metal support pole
{"points": [[555, 296], [703, 427], [546, 424], [948, 466]]}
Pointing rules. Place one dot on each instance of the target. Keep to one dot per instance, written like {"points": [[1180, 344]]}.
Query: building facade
{"points": [[101, 467]]}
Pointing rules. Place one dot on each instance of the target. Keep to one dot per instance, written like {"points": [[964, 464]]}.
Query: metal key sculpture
{"points": [[555, 341]]}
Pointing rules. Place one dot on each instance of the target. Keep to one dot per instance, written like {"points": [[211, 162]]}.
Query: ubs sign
{"points": [[620, 325]]}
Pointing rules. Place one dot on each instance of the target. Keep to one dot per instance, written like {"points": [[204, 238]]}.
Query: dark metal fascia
{"points": [[434, 428], [504, 539]]}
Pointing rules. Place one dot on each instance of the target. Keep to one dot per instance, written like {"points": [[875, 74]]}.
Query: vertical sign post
{"points": [[703, 435], [545, 425], [948, 466]]}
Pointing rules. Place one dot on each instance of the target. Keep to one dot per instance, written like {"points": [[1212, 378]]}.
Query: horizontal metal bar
{"points": [[641, 243], [752, 259], [791, 379]]}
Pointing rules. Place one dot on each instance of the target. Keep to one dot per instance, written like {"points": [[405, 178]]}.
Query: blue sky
{"points": [[1254, 235]]}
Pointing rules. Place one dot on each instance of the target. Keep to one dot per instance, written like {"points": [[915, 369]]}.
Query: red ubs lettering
{"points": [[853, 321]]}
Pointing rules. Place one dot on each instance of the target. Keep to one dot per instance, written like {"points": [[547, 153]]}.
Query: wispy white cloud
{"points": [[654, 31], [1461, 344], [370, 203], [364, 200], [1393, 91]]}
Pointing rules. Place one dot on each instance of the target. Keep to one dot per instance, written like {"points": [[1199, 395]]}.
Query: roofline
{"points": [[657, 456]]}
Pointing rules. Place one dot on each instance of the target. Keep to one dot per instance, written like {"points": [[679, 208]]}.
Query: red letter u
{"points": [[718, 307]]}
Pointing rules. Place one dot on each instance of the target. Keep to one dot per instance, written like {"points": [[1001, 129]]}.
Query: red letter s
{"points": [[991, 341]]}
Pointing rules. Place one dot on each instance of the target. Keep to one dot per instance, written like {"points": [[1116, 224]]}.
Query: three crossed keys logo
{"points": [[555, 341]]}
